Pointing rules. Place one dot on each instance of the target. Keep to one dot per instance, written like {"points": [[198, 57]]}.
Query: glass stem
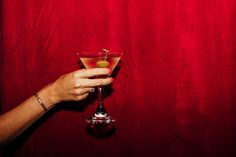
{"points": [[101, 111]]}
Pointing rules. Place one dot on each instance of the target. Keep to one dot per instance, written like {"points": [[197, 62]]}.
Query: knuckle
{"points": [[89, 73], [97, 71], [77, 92], [73, 75], [78, 73], [78, 84]]}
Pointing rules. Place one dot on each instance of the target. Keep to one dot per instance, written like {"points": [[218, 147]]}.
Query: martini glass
{"points": [[103, 59]]}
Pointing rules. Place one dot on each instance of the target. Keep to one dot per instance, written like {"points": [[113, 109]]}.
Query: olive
{"points": [[102, 64]]}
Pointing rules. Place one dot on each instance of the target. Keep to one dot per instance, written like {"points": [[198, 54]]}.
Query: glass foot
{"points": [[101, 130], [100, 120]]}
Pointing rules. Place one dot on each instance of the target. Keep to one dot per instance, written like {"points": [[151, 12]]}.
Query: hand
{"points": [[72, 86], [78, 84]]}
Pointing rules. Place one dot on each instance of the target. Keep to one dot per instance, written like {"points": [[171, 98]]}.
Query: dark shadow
{"points": [[81, 66], [192, 128], [195, 129], [76, 106], [11, 148], [116, 70], [101, 130]]}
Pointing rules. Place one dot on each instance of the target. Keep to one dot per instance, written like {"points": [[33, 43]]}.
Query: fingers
{"points": [[81, 97], [78, 84], [93, 82], [86, 73], [81, 91]]}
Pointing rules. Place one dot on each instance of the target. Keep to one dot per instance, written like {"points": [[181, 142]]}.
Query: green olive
{"points": [[102, 64]]}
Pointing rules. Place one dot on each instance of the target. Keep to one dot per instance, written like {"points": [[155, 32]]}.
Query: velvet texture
{"points": [[173, 93]]}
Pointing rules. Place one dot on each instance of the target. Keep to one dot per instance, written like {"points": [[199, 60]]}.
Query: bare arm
{"points": [[73, 86]]}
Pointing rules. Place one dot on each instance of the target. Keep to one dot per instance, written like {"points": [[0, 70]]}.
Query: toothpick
{"points": [[106, 51]]}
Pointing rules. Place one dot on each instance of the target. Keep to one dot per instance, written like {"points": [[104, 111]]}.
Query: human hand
{"points": [[77, 85]]}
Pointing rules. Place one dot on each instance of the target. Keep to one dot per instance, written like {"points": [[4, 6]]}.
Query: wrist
{"points": [[48, 96]]}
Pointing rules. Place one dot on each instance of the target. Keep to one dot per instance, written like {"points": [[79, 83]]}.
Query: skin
{"points": [[72, 86]]}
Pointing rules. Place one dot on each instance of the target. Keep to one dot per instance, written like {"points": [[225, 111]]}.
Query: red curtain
{"points": [[174, 93]]}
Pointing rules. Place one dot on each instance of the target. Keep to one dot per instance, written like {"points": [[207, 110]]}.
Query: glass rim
{"points": [[99, 53]]}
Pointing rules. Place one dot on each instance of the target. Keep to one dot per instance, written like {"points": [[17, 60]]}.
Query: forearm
{"points": [[73, 86], [18, 119]]}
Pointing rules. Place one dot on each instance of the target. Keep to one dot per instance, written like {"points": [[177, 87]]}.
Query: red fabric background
{"points": [[174, 94]]}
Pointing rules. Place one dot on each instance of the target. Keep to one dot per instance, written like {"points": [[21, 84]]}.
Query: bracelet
{"points": [[40, 102]]}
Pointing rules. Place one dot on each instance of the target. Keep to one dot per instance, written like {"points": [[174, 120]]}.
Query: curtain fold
{"points": [[173, 94]]}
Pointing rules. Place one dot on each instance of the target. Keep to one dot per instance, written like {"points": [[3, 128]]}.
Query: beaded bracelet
{"points": [[40, 102]]}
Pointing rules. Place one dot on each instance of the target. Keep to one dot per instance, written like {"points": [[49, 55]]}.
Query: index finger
{"points": [[86, 73]]}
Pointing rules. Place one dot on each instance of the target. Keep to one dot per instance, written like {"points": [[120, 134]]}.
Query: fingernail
{"points": [[109, 71]]}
